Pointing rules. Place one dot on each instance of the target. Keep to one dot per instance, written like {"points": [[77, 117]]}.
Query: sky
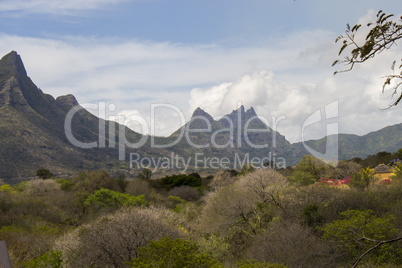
{"points": [[165, 58]]}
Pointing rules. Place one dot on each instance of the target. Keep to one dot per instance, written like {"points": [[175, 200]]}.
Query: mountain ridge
{"points": [[32, 135]]}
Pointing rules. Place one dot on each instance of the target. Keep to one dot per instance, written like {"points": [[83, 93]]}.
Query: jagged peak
{"points": [[12, 64], [250, 112], [201, 112]]}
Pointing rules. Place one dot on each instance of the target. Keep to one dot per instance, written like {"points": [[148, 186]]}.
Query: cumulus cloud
{"points": [[358, 94]]}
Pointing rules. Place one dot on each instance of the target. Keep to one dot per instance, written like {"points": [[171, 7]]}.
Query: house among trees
{"points": [[383, 172], [4, 257]]}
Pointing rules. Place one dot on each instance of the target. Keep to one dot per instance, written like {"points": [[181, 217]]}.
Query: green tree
{"points": [[173, 253], [145, 174], [360, 233], [397, 170], [44, 173], [363, 179], [108, 198], [49, 259], [381, 35], [310, 169]]}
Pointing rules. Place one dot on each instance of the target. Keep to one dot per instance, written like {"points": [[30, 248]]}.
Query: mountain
{"points": [[39, 131], [32, 132], [33, 135], [239, 136], [350, 146]]}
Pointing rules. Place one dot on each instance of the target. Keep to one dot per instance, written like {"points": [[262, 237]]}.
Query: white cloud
{"points": [[54, 6]]}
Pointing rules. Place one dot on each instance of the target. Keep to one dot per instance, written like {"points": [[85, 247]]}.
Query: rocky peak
{"points": [[239, 114], [201, 113], [11, 64], [250, 113]]}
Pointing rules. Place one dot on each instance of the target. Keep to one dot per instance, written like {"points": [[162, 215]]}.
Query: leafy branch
{"points": [[382, 35]]}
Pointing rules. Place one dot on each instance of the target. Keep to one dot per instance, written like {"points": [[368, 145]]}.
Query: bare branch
{"points": [[374, 247]]}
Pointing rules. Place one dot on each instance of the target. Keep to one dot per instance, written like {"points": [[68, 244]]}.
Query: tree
{"points": [[44, 173], [113, 240], [382, 35], [111, 199], [49, 259], [145, 174], [359, 233], [363, 179], [291, 244], [172, 253], [311, 169]]}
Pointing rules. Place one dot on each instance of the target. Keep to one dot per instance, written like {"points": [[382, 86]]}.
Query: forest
{"points": [[310, 215]]}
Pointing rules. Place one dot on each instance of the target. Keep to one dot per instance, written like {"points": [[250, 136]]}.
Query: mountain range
{"points": [[36, 132]]}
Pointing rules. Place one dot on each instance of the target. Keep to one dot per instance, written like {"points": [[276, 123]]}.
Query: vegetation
{"points": [[340, 217]]}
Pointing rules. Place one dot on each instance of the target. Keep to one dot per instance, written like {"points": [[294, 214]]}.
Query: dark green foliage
{"points": [[173, 253], [357, 231], [65, 184], [312, 216], [44, 173], [51, 259], [145, 174], [193, 180]]}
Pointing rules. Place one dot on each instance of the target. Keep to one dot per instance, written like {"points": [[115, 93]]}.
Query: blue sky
{"points": [[274, 55]]}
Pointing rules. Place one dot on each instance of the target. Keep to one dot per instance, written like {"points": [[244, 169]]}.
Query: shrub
{"points": [[65, 184], [363, 179], [291, 244], [174, 253], [114, 240], [41, 187], [185, 192], [44, 173], [397, 170], [91, 181], [49, 259], [112, 199], [193, 180], [310, 169]]}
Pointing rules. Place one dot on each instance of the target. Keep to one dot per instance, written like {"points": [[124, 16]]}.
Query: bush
{"points": [[49, 259], [114, 240], [310, 169], [185, 192], [44, 173], [363, 179], [193, 180], [397, 170], [174, 253], [41, 187], [65, 184], [111, 199], [91, 181], [291, 244]]}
